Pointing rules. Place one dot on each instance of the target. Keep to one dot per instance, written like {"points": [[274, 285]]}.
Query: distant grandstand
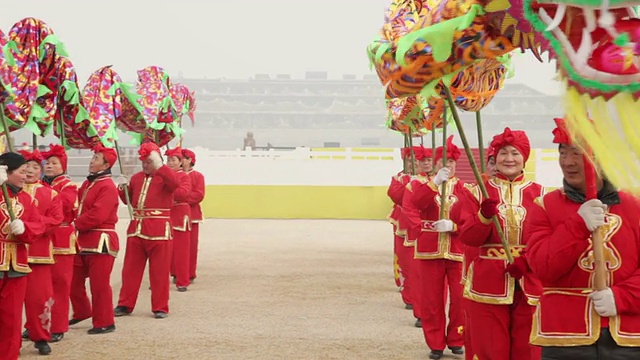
{"points": [[317, 112]]}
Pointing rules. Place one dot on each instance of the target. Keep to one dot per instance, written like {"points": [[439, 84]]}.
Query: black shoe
{"points": [[418, 323], [121, 311], [160, 315], [182, 288], [76, 321], [102, 330], [456, 350], [436, 354], [408, 306], [25, 335], [43, 347], [56, 337]]}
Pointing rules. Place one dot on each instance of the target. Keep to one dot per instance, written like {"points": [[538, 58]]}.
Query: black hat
{"points": [[12, 160]]}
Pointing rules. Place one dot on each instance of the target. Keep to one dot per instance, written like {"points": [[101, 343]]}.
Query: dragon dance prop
{"points": [[154, 116], [39, 91], [595, 45]]}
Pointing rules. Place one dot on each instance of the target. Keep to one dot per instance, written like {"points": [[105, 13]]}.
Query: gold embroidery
{"points": [[586, 262]]}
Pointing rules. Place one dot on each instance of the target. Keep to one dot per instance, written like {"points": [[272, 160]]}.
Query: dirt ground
{"points": [[268, 289]]}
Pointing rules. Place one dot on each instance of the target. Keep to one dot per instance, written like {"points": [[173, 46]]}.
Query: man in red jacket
{"points": [[14, 237], [409, 221], [39, 298], [181, 221], [572, 320], [194, 199], [439, 254], [97, 244], [149, 233], [64, 238], [396, 191]]}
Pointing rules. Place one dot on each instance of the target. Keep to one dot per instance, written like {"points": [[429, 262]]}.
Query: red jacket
{"points": [[410, 216], [181, 211], [49, 208], [560, 254], [64, 237], [426, 198], [395, 192], [13, 249], [196, 196], [487, 279], [97, 216], [151, 198]]}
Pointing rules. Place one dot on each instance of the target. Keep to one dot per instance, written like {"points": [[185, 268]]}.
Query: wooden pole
{"points": [[443, 190], [7, 134], [126, 186], [476, 173], [483, 163]]}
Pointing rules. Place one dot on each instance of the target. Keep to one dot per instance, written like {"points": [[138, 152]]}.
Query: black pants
{"points": [[604, 349]]}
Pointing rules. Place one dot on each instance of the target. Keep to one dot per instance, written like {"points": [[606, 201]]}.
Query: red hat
{"points": [[516, 138], [427, 152], [419, 152], [146, 149], [560, 133], [59, 152], [32, 156], [189, 154], [491, 153], [110, 155], [453, 152], [174, 152]]}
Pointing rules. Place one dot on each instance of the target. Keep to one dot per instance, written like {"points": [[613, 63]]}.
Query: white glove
{"points": [[442, 176], [156, 160], [121, 180], [16, 227], [592, 212], [443, 226], [604, 302], [3, 174]]}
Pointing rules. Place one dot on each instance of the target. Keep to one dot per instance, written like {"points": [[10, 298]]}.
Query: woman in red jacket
{"points": [[500, 310]]}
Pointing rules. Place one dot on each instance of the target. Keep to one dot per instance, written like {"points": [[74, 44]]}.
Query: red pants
{"points": [[434, 276], [12, 294], [38, 302], [193, 258], [180, 254], [468, 348], [96, 267], [501, 332], [405, 260], [135, 260], [61, 275]]}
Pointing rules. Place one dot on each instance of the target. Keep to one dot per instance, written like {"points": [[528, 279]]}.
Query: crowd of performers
{"points": [[540, 306], [62, 235]]}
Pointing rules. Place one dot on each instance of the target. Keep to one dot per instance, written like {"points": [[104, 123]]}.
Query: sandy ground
{"points": [[268, 289]]}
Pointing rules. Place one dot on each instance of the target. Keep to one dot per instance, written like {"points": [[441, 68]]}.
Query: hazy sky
{"points": [[232, 38]]}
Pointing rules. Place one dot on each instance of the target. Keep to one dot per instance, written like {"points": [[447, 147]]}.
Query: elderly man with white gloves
{"points": [[149, 234], [573, 320]]}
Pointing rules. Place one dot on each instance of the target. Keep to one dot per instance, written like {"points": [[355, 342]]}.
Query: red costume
{"points": [[14, 264], [149, 235], [64, 243], [409, 229], [500, 311], [560, 253], [39, 298], [396, 193], [98, 246], [181, 223], [194, 199], [439, 258]]}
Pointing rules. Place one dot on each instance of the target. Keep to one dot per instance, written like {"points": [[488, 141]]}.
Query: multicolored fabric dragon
{"points": [[425, 44]]}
